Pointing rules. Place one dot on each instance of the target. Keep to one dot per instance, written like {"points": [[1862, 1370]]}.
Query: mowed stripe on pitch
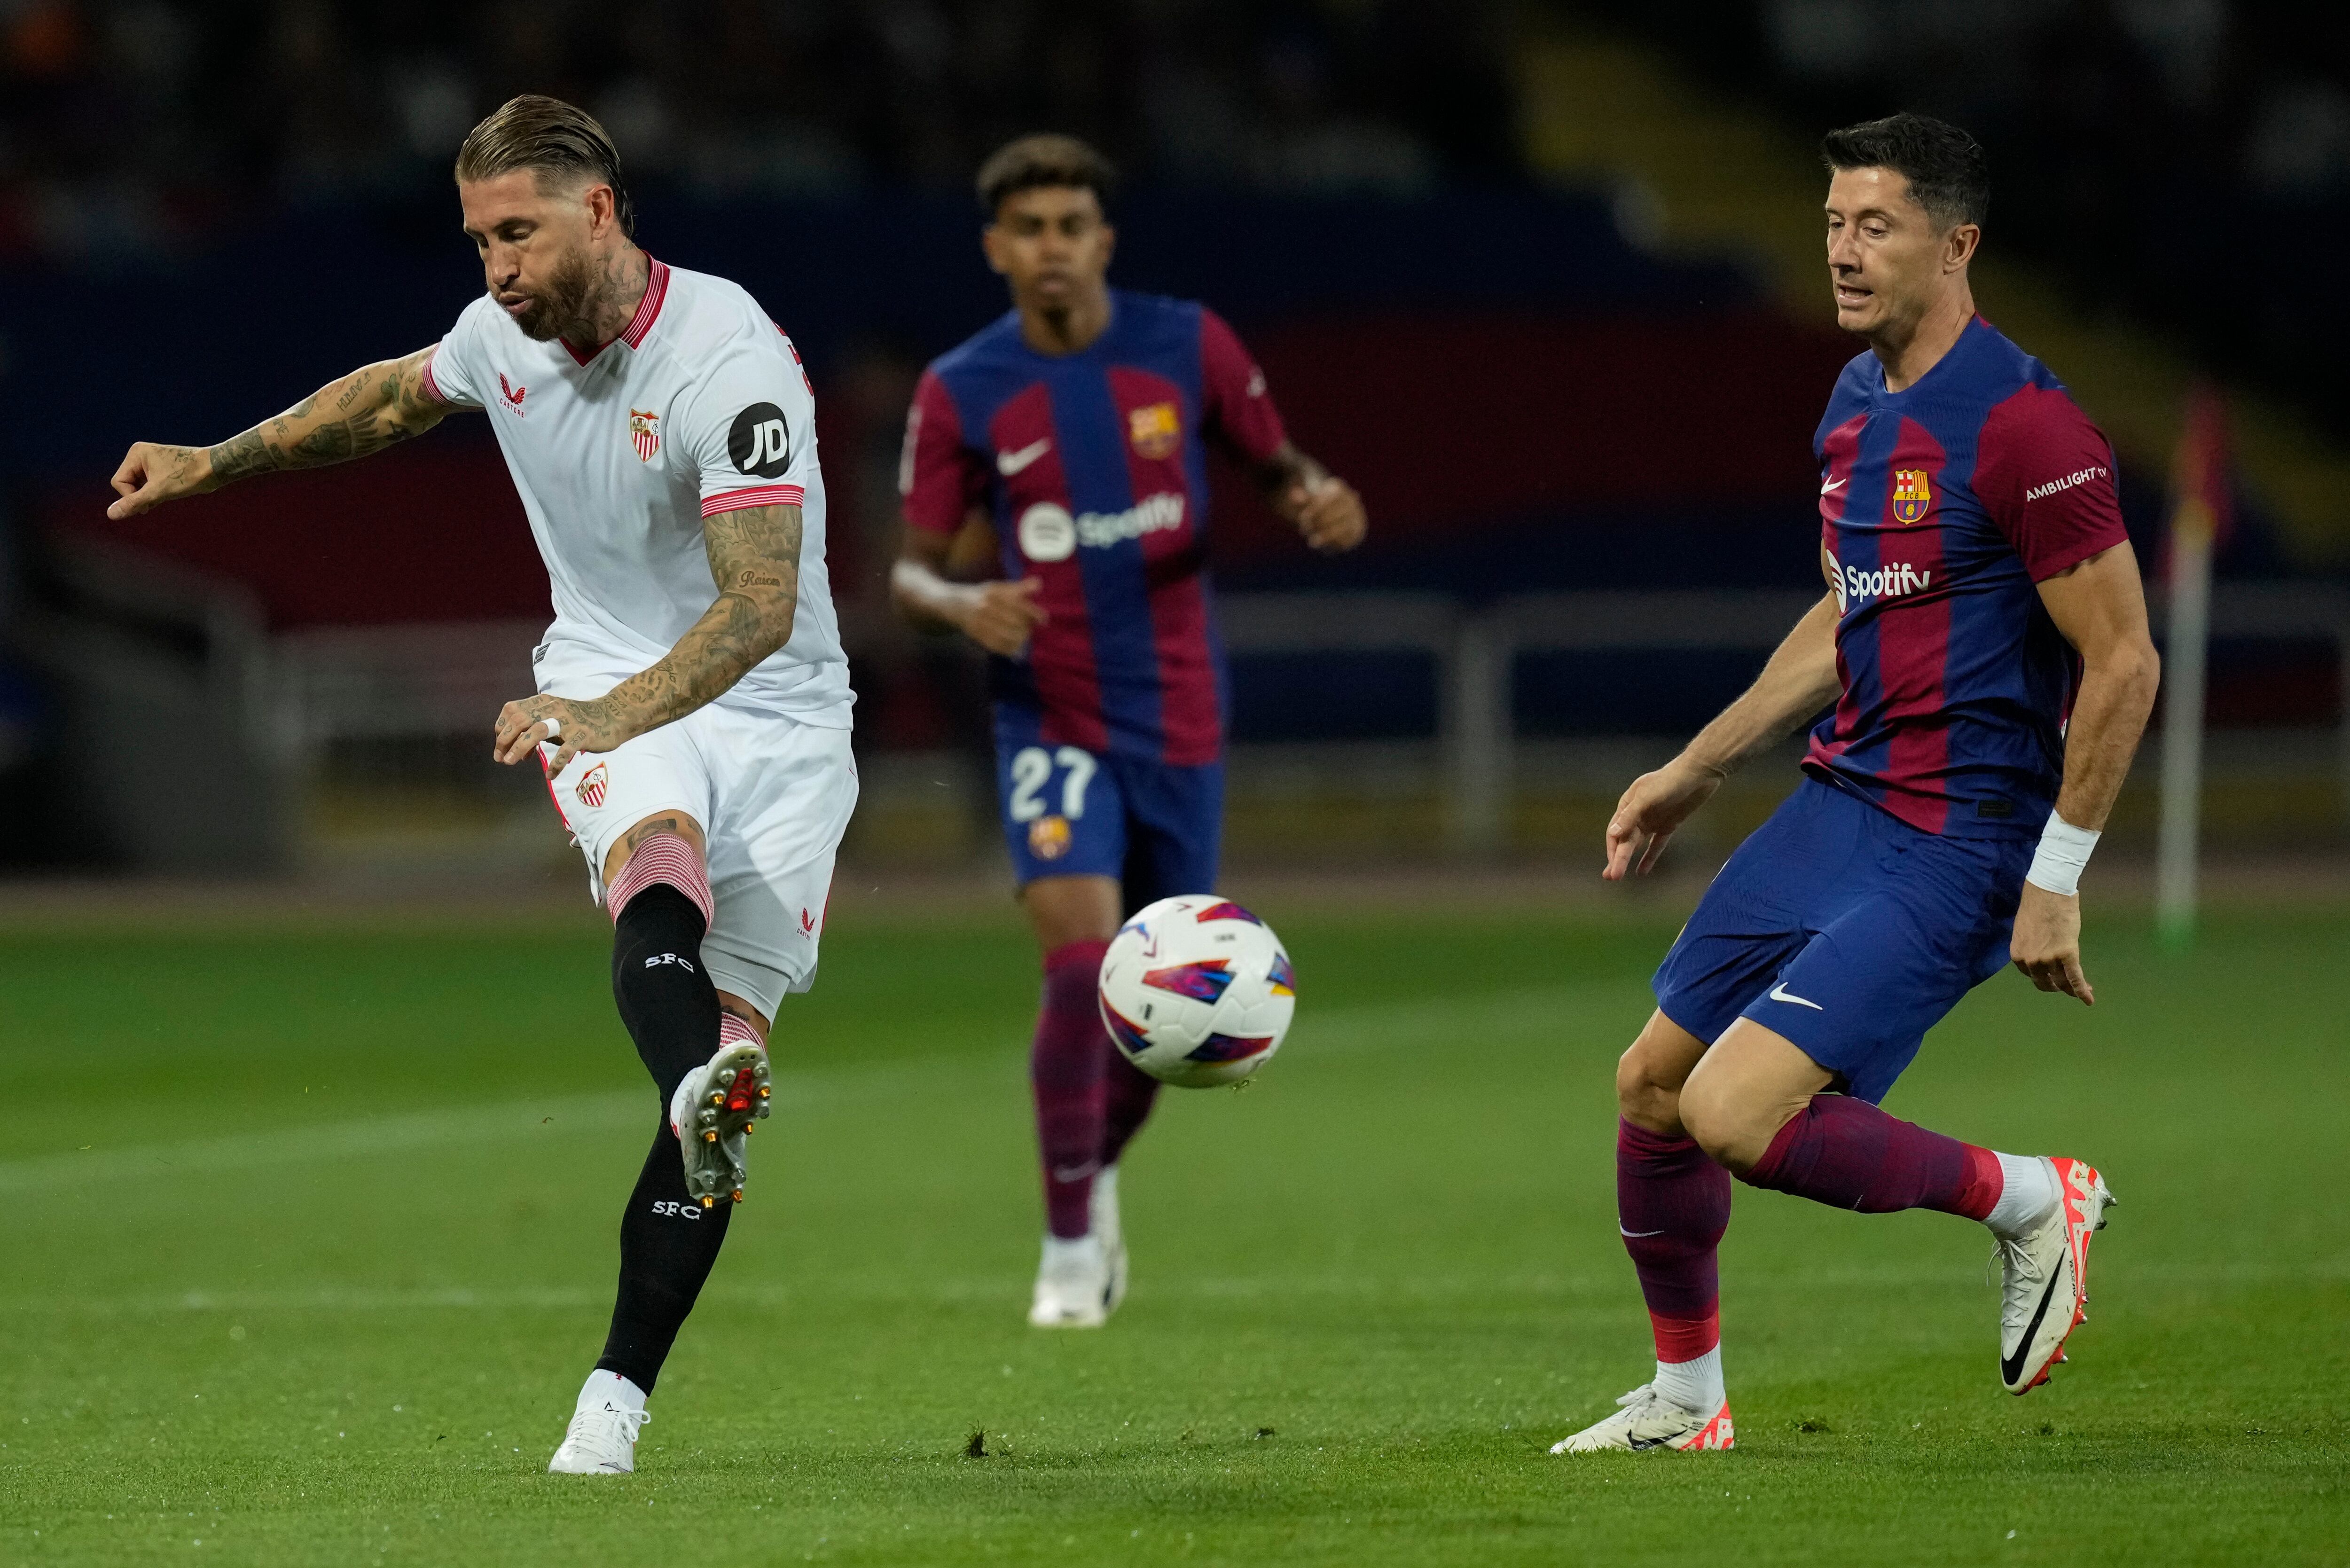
{"points": [[1341, 1031]]}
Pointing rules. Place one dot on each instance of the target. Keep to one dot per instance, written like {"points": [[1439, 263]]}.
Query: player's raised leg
{"points": [[1672, 1205], [1757, 1104], [658, 894], [1068, 1061]]}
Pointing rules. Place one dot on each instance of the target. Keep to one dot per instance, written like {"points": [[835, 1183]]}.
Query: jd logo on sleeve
{"points": [[758, 443]]}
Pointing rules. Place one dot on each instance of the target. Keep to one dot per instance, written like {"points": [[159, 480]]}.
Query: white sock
{"points": [[2027, 1196], [1693, 1385], [1065, 1254], [604, 1387]]}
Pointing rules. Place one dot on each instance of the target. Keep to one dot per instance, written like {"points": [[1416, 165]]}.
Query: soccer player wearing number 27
{"points": [[692, 712], [1067, 440], [1985, 646]]}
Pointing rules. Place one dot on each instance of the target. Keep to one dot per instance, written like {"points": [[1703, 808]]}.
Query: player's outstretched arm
{"points": [[2100, 606], [754, 558], [366, 411], [997, 615], [1324, 508], [1799, 680]]}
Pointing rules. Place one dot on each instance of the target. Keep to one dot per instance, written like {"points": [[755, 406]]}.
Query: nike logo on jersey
{"points": [[1635, 1235], [1831, 484], [1008, 463], [1780, 992]]}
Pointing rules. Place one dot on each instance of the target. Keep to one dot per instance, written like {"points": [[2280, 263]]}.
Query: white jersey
{"points": [[699, 407]]}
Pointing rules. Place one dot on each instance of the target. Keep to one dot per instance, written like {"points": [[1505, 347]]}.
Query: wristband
{"points": [[2064, 851]]}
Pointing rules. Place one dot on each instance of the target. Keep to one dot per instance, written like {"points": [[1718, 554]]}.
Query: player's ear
{"points": [[991, 246], [1958, 245], [1109, 243]]}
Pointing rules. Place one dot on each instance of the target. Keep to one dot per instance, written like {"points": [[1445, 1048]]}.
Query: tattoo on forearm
{"points": [[364, 413], [755, 559]]}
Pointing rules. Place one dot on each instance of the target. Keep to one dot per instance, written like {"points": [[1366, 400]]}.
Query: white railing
{"points": [[448, 678]]}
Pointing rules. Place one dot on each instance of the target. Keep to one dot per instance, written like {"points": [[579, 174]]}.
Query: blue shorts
{"points": [[1848, 930], [1069, 812]]}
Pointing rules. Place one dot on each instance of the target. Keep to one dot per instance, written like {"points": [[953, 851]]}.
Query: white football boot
{"points": [[2044, 1284], [712, 1113], [1646, 1419], [602, 1440], [1073, 1284], [1102, 1212]]}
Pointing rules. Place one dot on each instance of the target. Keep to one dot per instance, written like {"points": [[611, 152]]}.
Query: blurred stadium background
{"points": [[1486, 252]]}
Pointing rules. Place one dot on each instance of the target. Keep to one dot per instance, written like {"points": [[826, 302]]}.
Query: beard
{"points": [[561, 302]]}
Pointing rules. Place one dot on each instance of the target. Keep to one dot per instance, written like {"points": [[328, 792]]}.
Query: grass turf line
{"points": [[341, 1248]]}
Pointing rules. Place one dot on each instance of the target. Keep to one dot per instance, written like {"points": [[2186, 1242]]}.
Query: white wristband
{"points": [[2064, 851]]}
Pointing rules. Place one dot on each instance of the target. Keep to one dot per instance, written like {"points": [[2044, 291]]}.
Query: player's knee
{"points": [[1643, 1095], [1734, 1133], [661, 859]]}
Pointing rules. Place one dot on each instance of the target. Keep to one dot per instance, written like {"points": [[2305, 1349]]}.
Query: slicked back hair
{"points": [[1946, 172], [552, 139], [1034, 161]]}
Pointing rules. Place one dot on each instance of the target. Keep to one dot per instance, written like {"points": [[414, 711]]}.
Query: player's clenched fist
{"points": [[1001, 615], [152, 474], [1328, 513], [574, 727], [1650, 812]]}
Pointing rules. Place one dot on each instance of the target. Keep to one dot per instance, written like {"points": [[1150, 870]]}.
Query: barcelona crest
{"points": [[1912, 498], [1156, 431], [644, 433], [1048, 838]]}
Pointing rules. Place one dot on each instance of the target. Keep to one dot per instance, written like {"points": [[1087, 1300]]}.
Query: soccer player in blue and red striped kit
{"points": [[1068, 440], [1984, 643]]}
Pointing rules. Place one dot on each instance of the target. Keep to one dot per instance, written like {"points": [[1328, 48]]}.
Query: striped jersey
{"points": [[1093, 468], [1941, 508], [698, 407]]}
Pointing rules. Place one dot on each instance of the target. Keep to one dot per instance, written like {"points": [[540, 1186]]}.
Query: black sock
{"points": [[667, 1243], [665, 1000], [667, 1240]]}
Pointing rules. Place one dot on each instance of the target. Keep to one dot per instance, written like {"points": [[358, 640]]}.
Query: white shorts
{"points": [[772, 796]]}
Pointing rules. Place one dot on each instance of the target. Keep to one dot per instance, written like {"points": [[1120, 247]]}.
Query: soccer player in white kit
{"points": [[692, 713]]}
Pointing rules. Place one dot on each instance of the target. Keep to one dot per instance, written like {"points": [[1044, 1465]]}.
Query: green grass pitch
{"points": [[322, 1282]]}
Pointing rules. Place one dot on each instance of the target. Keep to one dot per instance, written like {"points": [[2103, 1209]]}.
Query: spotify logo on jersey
{"points": [[1047, 533], [759, 444]]}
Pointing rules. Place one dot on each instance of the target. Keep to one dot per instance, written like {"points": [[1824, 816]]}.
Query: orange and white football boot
{"points": [[2044, 1284], [1646, 1419]]}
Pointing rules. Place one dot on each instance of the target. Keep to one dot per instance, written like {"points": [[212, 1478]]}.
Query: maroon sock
{"points": [[1129, 1093], [1672, 1205], [1846, 1152], [1065, 1068]]}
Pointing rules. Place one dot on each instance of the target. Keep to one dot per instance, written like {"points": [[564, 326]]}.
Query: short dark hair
{"points": [[549, 136], [1946, 172], [1039, 161]]}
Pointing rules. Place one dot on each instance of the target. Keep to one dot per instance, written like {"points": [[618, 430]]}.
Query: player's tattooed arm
{"points": [[1322, 507], [998, 615], [1800, 680], [365, 412], [754, 558]]}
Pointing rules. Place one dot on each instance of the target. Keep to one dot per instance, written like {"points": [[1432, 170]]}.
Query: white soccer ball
{"points": [[1197, 991]]}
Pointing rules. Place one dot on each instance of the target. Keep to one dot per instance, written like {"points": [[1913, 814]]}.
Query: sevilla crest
{"points": [[1911, 495], [644, 433], [591, 788]]}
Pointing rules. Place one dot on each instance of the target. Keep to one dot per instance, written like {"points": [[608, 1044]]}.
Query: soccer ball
{"points": [[1197, 991]]}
